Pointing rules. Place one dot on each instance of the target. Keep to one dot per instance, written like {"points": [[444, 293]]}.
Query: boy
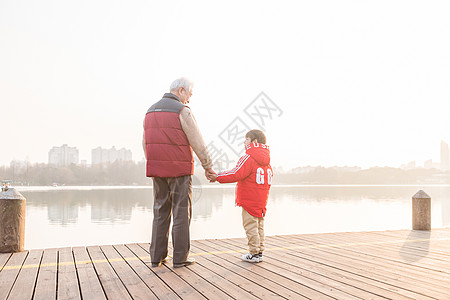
{"points": [[253, 175]]}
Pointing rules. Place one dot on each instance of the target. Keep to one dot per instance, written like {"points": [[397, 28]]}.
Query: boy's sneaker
{"points": [[253, 258], [260, 256]]}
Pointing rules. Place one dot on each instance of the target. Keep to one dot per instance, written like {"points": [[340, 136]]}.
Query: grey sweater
{"points": [[195, 138]]}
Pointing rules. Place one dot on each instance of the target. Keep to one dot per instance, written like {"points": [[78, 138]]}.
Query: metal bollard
{"points": [[12, 220], [421, 211]]}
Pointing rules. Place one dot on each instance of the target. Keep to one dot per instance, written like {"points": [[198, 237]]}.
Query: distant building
{"points": [[63, 156], [19, 166], [346, 169], [103, 156], [445, 156], [409, 166], [429, 164], [310, 169], [304, 170]]}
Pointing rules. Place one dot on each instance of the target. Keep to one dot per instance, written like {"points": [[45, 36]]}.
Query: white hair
{"points": [[181, 82]]}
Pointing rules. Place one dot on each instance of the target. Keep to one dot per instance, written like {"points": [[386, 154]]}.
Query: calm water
{"points": [[79, 216]]}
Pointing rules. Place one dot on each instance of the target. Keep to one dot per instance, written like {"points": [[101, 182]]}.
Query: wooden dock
{"points": [[365, 265]]}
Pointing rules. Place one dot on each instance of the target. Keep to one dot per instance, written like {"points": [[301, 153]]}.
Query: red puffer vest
{"points": [[253, 174], [168, 151]]}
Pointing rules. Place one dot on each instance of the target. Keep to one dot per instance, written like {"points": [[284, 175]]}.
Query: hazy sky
{"points": [[357, 82]]}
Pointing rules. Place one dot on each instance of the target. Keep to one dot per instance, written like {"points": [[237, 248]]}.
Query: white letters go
{"points": [[260, 176]]}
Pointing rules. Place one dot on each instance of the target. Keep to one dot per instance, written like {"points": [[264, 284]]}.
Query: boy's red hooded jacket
{"points": [[253, 175]]}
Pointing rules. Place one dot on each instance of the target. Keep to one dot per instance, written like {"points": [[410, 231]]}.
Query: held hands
{"points": [[210, 175], [213, 178]]}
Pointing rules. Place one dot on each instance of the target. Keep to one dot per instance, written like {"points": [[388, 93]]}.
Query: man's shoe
{"points": [[188, 262], [158, 263], [260, 257], [253, 258]]}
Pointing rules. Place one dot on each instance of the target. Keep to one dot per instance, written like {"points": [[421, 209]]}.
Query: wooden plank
{"points": [[337, 260], [415, 257], [374, 256], [388, 237], [199, 283], [434, 247], [9, 273], [24, 286], [410, 244], [178, 285], [268, 280], [403, 234], [368, 265], [223, 270], [440, 232], [411, 249], [212, 278], [429, 248], [46, 280], [206, 286], [68, 288], [281, 276], [411, 234], [166, 267], [337, 278], [132, 282], [111, 283], [234, 285], [419, 250], [90, 286], [382, 267], [389, 255], [3, 259], [158, 287], [297, 253], [328, 285], [303, 265]]}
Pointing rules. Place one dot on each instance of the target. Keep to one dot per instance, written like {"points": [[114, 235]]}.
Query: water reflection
{"points": [[105, 205], [342, 193], [62, 207], [210, 200], [112, 207], [63, 213], [109, 216]]}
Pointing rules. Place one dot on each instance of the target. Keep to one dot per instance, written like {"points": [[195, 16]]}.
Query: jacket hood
{"points": [[259, 152]]}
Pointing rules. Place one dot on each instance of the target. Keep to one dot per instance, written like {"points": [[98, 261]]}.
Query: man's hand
{"points": [[210, 175], [213, 178]]}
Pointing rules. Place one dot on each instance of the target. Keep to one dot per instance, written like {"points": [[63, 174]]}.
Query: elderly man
{"points": [[170, 134]]}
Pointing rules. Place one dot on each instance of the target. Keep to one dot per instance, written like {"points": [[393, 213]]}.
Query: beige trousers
{"points": [[254, 228]]}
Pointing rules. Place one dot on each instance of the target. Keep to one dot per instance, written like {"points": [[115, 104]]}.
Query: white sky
{"points": [[359, 82]]}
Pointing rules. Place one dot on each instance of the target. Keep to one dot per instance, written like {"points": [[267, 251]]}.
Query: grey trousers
{"points": [[171, 196]]}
